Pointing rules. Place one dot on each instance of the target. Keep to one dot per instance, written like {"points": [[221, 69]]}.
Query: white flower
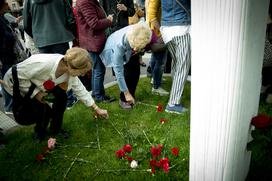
{"points": [[134, 164]]}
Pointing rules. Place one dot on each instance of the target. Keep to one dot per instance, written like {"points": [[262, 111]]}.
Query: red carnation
{"points": [[261, 121], [40, 157], [166, 167], [152, 163], [129, 158], [127, 148], [153, 170], [175, 151], [163, 120], [49, 85], [120, 153], [159, 107]]}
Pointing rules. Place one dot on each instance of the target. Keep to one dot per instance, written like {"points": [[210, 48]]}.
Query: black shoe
{"points": [[38, 137], [106, 99], [61, 133]]}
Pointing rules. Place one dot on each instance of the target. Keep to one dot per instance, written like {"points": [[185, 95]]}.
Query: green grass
{"points": [[17, 160]]}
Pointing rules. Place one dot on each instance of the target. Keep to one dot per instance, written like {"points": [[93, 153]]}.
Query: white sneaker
{"points": [[152, 81], [160, 91]]}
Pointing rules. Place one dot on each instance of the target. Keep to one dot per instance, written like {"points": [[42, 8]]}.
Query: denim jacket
{"points": [[173, 14], [116, 53]]}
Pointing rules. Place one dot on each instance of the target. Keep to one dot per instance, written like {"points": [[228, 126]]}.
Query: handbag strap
{"points": [[16, 90]]}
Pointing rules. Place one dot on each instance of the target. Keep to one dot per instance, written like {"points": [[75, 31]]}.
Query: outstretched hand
{"points": [[102, 113]]}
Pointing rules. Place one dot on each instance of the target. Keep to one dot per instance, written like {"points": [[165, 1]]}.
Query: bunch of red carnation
{"points": [[124, 152], [158, 161]]}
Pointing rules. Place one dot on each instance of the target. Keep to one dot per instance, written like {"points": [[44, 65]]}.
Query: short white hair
{"points": [[138, 36]]}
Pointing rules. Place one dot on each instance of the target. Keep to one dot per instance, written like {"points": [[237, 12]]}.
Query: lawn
{"points": [[90, 151]]}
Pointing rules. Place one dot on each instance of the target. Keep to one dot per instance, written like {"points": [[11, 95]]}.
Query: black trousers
{"points": [[132, 75], [44, 113]]}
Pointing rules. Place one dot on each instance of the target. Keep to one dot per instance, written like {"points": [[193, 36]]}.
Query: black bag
{"points": [[22, 107]]}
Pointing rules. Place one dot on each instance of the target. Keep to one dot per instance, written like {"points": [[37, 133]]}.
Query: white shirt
{"points": [[169, 32], [40, 68]]}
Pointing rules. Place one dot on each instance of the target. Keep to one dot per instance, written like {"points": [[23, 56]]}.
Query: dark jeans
{"points": [[44, 113], [132, 75], [98, 74], [267, 78]]}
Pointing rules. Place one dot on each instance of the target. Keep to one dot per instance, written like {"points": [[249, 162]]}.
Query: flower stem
{"points": [[150, 105], [97, 136], [71, 165], [147, 138], [117, 130]]}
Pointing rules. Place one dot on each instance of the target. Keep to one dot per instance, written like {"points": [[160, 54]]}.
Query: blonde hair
{"points": [[139, 36], [77, 58]]}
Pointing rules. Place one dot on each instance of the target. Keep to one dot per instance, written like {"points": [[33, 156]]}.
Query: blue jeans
{"points": [[156, 63], [7, 100], [98, 73]]}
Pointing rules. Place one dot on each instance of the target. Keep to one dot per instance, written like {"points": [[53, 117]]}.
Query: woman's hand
{"points": [[39, 96], [129, 98], [110, 17], [121, 7], [102, 113]]}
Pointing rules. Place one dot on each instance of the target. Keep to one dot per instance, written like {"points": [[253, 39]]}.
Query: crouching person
{"points": [[38, 87]]}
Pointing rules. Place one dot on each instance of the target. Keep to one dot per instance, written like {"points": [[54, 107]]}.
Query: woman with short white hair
{"points": [[122, 52]]}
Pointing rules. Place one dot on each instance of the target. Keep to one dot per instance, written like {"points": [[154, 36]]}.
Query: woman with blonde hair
{"points": [[121, 52], [44, 74]]}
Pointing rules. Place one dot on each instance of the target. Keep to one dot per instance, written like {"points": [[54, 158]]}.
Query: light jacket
{"points": [[173, 14], [116, 53], [45, 20], [92, 24], [40, 68]]}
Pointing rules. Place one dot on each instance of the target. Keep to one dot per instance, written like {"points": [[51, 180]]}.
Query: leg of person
{"points": [[57, 48], [58, 109], [98, 73], [157, 72], [41, 114], [180, 51], [132, 75]]}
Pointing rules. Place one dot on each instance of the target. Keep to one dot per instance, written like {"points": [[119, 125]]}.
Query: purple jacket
{"points": [[92, 23]]}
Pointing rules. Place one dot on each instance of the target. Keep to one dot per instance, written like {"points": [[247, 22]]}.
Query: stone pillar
{"points": [[227, 53]]}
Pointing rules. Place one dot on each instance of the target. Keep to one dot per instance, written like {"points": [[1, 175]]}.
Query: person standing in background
{"points": [[121, 10], [46, 21], [153, 17], [175, 30], [93, 25]]}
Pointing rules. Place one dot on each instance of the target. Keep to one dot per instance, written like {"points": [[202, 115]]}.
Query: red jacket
{"points": [[92, 23]]}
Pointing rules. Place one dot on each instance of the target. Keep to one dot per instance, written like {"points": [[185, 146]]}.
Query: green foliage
{"points": [[97, 140]]}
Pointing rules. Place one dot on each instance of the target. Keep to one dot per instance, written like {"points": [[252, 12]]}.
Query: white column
{"points": [[227, 49]]}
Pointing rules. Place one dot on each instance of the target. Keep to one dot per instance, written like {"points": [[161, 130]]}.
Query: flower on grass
{"points": [[159, 107], [127, 148], [163, 120], [156, 151], [134, 164], [175, 151], [120, 153], [51, 143], [129, 158], [261, 121], [40, 157]]}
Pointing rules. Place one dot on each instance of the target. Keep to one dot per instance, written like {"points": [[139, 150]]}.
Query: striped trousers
{"points": [[180, 50]]}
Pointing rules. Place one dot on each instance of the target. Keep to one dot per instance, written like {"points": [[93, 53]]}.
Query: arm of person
{"points": [[88, 10], [83, 95], [153, 8]]}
